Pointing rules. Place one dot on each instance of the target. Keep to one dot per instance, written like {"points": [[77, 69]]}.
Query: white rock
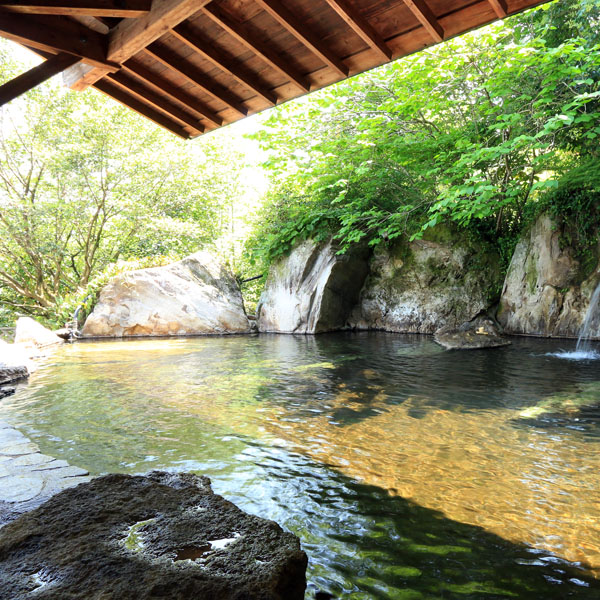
{"points": [[31, 333], [195, 296], [311, 291]]}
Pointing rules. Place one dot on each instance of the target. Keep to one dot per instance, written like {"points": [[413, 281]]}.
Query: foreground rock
{"points": [[421, 286], [312, 290], [27, 477], [31, 333], [544, 293], [159, 536], [195, 296], [480, 333]]}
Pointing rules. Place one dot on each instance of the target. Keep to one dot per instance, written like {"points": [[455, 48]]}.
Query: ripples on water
{"points": [[408, 472]]}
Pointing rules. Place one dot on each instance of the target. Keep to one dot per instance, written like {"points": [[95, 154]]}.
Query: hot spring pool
{"points": [[408, 472]]}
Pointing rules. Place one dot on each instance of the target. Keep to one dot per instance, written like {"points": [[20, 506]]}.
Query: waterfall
{"points": [[583, 342]]}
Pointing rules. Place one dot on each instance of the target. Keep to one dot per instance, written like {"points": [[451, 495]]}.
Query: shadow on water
{"points": [[364, 543]]}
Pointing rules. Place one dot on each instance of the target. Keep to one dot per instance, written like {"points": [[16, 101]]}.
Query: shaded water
{"points": [[408, 472]]}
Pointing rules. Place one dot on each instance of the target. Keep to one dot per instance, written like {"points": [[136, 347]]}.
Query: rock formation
{"points": [[158, 536], [30, 333], [542, 294], [312, 290], [479, 333], [195, 296], [421, 286]]}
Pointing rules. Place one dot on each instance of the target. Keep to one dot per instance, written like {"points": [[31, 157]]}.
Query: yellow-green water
{"points": [[406, 471]]}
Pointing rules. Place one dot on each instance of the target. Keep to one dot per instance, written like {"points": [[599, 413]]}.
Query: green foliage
{"points": [[473, 131], [85, 183], [575, 207]]}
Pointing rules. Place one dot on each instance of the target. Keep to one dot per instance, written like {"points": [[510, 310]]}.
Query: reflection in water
{"points": [[406, 471]]}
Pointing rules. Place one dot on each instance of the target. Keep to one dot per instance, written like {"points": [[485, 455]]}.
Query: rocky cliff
{"points": [[442, 280], [312, 290], [545, 292]]}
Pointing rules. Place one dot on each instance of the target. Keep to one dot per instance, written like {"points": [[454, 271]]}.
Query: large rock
{"points": [[30, 333], [135, 538], [312, 290], [195, 296], [421, 286], [477, 334], [542, 294]]}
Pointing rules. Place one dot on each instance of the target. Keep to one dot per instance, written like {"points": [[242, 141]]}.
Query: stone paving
{"points": [[27, 477]]}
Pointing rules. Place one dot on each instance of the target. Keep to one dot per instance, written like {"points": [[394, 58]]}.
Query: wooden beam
{"points": [[163, 86], [118, 94], [197, 78], [92, 8], [225, 63], [361, 27], [243, 35], [56, 35], [133, 35], [420, 9], [137, 89], [32, 78], [500, 8], [129, 37], [303, 34]]}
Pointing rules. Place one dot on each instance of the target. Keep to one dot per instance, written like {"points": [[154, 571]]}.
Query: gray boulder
{"points": [[312, 290], [421, 286], [135, 538], [195, 296], [480, 333], [543, 293]]}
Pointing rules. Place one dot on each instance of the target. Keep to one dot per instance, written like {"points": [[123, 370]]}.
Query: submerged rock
{"points": [[421, 286], [542, 294], [159, 536], [585, 397], [482, 332], [312, 290], [195, 296]]}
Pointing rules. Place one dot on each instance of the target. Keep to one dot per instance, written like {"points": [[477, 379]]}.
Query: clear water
{"points": [[408, 472]]}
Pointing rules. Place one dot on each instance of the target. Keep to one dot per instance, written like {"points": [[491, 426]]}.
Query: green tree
{"points": [[470, 131], [85, 183]]}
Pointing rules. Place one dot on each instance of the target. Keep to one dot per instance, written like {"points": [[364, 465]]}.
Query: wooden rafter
{"points": [[500, 8], [56, 35], [360, 26], [420, 9], [93, 8], [197, 78], [131, 36], [303, 34], [207, 50], [117, 93], [133, 86], [161, 85], [245, 37], [32, 78]]}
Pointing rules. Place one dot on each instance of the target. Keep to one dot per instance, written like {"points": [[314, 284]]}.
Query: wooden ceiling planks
{"points": [[194, 65]]}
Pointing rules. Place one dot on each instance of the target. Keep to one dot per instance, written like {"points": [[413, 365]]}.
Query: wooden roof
{"points": [[194, 65]]}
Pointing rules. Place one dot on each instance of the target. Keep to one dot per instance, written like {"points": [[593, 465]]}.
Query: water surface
{"points": [[408, 472]]}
